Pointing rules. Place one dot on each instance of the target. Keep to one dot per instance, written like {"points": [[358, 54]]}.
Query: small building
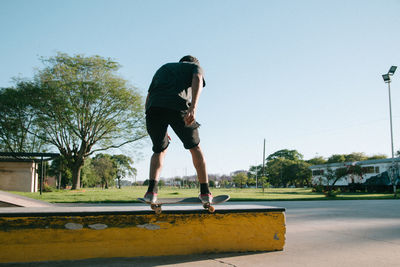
{"points": [[375, 172], [19, 171], [19, 176]]}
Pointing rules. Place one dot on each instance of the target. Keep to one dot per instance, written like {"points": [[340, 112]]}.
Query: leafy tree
{"points": [[286, 154], [336, 158], [211, 183], [284, 172], [251, 181], [104, 168], [240, 179], [377, 156], [123, 166], [83, 107], [356, 156], [263, 180], [316, 161], [300, 173], [255, 171], [278, 172], [90, 177], [58, 165], [332, 176], [17, 120]]}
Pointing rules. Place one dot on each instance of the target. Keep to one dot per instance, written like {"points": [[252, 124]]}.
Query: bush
{"points": [[331, 193], [318, 189], [47, 188]]}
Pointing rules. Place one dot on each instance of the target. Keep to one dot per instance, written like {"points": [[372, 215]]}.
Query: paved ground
{"points": [[319, 233], [13, 200]]}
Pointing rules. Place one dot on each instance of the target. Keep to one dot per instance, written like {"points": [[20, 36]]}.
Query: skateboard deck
{"points": [[190, 200]]}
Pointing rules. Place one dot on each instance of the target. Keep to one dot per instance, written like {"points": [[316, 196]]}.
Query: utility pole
{"points": [[263, 170], [391, 170], [256, 176]]}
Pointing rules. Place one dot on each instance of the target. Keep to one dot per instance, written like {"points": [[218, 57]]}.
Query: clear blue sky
{"points": [[305, 75]]}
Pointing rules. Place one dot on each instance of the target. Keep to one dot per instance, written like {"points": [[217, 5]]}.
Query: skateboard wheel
{"points": [[211, 209], [158, 210]]}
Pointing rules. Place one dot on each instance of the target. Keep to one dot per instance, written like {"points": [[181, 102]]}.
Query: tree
{"points": [[264, 182], [283, 172], [332, 176], [17, 120], [105, 169], [123, 166], [316, 161], [377, 156], [211, 183], [278, 172], [355, 156], [83, 107], [240, 179], [90, 177], [255, 171], [59, 166], [251, 181], [286, 154], [300, 173], [336, 158]]}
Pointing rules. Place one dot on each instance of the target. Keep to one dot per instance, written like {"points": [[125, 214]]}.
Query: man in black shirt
{"points": [[172, 100]]}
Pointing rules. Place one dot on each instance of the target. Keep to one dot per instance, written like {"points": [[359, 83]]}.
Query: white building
{"points": [[375, 172]]}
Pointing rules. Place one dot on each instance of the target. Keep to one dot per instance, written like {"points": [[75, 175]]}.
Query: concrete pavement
{"points": [[319, 233], [12, 200]]}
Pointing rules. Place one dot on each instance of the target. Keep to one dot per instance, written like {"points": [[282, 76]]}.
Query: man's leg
{"points": [[156, 124], [156, 163], [189, 136], [200, 166]]}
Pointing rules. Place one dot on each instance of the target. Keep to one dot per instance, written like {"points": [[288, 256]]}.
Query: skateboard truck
{"points": [[156, 207], [208, 207]]}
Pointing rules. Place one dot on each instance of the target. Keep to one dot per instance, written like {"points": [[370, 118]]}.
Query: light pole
{"points": [[387, 79]]}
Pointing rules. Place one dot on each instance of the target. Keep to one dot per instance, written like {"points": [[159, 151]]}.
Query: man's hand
{"points": [[197, 86], [190, 116]]}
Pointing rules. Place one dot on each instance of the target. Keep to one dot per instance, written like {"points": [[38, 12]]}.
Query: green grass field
{"points": [[130, 194]]}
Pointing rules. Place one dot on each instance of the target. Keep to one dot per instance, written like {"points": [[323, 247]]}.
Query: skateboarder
{"points": [[172, 99]]}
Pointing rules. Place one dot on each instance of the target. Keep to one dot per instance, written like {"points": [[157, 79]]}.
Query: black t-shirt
{"points": [[171, 86]]}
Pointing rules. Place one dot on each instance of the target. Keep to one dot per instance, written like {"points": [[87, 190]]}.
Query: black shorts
{"points": [[157, 121]]}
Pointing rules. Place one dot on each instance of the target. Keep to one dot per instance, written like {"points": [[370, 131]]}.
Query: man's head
{"points": [[189, 58]]}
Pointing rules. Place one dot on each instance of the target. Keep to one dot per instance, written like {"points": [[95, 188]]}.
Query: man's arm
{"points": [[197, 87]]}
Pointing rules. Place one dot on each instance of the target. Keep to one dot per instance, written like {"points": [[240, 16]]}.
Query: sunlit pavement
{"points": [[319, 233]]}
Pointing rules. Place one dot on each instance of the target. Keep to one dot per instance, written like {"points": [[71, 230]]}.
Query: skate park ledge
{"points": [[54, 233]]}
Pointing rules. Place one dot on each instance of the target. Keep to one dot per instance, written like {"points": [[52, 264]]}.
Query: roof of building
{"points": [[363, 162], [26, 157]]}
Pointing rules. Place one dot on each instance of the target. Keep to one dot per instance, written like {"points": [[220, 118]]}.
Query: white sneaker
{"points": [[206, 198], [150, 197]]}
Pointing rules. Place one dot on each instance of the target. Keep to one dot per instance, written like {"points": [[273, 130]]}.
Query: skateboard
{"points": [[190, 200]]}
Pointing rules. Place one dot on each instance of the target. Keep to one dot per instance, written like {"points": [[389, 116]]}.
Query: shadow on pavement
{"points": [[198, 260]]}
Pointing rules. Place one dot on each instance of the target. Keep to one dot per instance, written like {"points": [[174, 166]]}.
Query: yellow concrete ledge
{"points": [[81, 236]]}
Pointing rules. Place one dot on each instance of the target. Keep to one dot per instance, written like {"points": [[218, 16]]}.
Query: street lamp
{"points": [[387, 79], [392, 70]]}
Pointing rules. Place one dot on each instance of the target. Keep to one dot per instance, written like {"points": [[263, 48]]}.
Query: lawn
{"points": [[130, 194]]}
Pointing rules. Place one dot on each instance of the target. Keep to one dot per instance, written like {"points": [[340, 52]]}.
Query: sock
{"points": [[153, 186], [204, 189]]}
